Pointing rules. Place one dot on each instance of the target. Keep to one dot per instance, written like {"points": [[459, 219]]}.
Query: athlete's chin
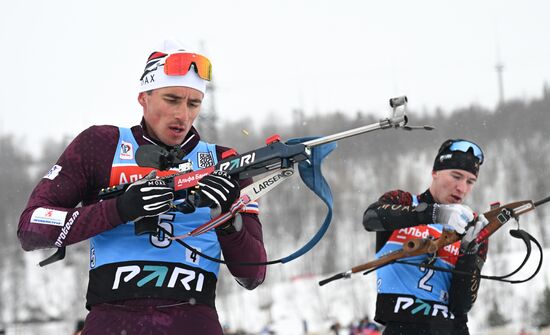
{"points": [[452, 200], [455, 201]]}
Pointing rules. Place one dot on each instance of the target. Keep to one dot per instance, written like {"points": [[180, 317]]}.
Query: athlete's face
{"points": [[169, 112], [451, 186]]}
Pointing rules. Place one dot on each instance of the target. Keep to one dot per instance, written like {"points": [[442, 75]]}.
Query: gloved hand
{"points": [[468, 241], [219, 191], [453, 216], [146, 197]]}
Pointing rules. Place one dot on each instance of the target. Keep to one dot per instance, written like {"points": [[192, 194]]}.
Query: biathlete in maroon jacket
{"points": [[147, 284], [413, 299]]}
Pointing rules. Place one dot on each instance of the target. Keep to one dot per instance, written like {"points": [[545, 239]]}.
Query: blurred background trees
{"points": [[514, 136]]}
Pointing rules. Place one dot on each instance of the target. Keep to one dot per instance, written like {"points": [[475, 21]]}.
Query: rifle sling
{"points": [[517, 233]]}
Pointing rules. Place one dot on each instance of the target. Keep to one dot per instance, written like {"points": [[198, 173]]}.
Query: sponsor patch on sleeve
{"points": [[54, 171], [48, 216], [251, 208]]}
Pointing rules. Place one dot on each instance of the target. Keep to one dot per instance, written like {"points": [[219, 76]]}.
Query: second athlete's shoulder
{"points": [[398, 197]]}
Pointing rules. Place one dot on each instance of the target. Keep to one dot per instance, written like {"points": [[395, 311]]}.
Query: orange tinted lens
{"points": [[178, 64], [204, 67]]}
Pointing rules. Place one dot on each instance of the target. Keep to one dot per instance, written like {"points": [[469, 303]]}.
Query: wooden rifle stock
{"points": [[497, 217], [413, 247]]}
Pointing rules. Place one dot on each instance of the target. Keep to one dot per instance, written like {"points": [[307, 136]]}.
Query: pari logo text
{"points": [[160, 276], [238, 162], [420, 307]]}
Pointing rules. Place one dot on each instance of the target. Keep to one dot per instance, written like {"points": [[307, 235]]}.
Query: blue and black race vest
{"points": [[125, 266], [408, 293]]}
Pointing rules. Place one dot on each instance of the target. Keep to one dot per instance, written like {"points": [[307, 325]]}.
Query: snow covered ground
{"points": [[289, 307], [301, 301]]}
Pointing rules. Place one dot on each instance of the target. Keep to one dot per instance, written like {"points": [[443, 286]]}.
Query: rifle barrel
{"points": [[540, 202], [386, 123]]}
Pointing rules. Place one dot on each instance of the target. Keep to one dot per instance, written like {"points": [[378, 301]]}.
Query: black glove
{"points": [[146, 197], [218, 189]]}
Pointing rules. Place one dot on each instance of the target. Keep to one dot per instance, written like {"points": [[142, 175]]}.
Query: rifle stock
{"points": [[418, 247], [497, 217]]}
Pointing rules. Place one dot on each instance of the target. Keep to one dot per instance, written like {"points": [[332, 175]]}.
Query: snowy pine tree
{"points": [[495, 317], [541, 317]]}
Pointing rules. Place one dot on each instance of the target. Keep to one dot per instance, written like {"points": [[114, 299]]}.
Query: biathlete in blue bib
{"points": [[419, 300]]}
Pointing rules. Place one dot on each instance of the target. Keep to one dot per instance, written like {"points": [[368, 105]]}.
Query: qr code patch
{"points": [[205, 159]]}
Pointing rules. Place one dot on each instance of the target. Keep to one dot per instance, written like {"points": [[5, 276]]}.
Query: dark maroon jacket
{"points": [[85, 170]]}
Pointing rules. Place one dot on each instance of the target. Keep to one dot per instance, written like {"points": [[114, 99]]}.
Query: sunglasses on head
{"points": [[178, 64], [463, 146]]}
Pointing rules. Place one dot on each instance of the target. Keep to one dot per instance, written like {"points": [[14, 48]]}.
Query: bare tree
{"points": [[15, 181]]}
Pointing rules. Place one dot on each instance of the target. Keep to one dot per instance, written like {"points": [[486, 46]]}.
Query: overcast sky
{"points": [[70, 64]]}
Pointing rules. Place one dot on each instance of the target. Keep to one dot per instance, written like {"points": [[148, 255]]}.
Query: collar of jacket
{"points": [[426, 197], [190, 141]]}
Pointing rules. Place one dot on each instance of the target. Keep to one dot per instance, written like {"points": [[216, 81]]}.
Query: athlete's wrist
{"points": [[234, 225], [425, 213]]}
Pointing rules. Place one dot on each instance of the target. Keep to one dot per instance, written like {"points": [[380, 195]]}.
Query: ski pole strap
{"points": [[310, 172]]}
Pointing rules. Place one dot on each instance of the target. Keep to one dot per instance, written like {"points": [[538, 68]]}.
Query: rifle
{"points": [[276, 158], [275, 155], [497, 217]]}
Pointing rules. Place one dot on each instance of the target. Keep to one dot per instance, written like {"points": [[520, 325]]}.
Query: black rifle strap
{"points": [[517, 233]]}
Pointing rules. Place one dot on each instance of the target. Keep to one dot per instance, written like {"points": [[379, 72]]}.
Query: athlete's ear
{"points": [[142, 98]]}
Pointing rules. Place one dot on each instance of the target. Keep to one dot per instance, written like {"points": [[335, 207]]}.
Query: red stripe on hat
{"points": [[156, 55]]}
